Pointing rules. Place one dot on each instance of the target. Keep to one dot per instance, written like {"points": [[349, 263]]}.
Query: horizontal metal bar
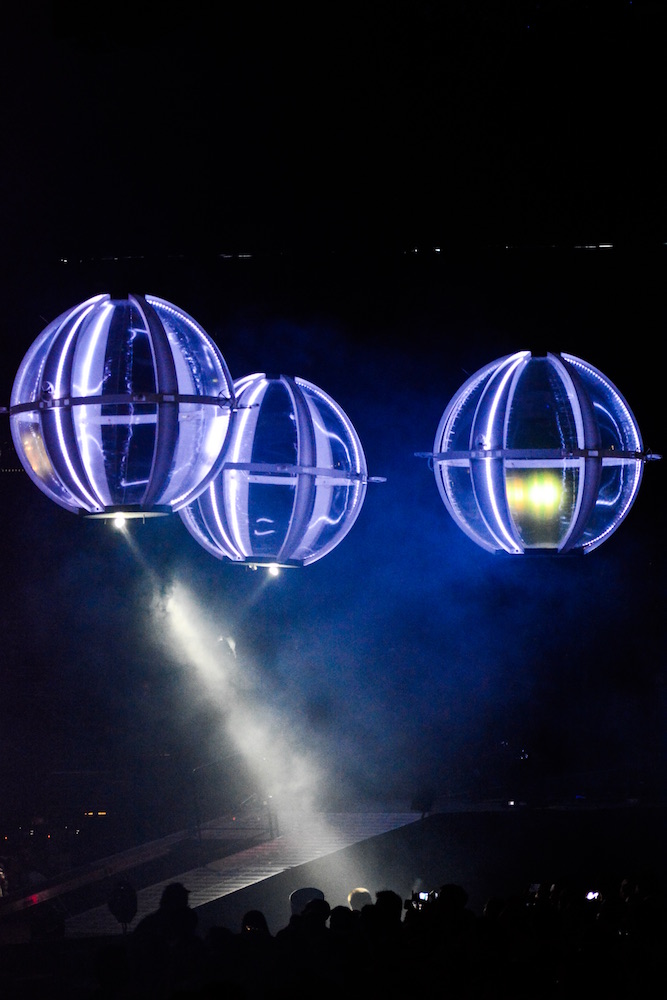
{"points": [[269, 469], [120, 399], [535, 454]]}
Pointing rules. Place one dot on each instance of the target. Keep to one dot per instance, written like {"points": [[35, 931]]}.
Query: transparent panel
{"points": [[201, 369], [270, 510], [275, 432], [455, 484], [46, 445], [543, 503], [31, 448], [455, 431], [616, 420], [30, 377], [202, 431], [129, 450], [337, 443], [195, 522], [618, 490], [488, 477], [116, 443], [125, 355], [29, 380], [540, 412], [336, 510]]}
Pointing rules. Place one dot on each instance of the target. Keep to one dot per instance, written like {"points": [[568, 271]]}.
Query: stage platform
{"points": [[235, 863], [296, 840]]}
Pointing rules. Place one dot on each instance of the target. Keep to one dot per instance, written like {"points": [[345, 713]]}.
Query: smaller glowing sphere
{"points": [[121, 406], [538, 454], [292, 482]]}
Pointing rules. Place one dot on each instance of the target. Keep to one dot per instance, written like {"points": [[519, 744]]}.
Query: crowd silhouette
{"points": [[552, 941]]}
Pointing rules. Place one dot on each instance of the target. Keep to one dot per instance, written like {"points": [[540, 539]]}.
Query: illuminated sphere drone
{"points": [[121, 406], [538, 454], [293, 479]]}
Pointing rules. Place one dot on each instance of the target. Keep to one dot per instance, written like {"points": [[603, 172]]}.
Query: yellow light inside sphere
{"points": [[34, 450], [544, 494], [538, 494]]}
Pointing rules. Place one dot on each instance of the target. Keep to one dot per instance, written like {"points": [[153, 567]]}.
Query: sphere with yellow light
{"points": [[538, 454]]}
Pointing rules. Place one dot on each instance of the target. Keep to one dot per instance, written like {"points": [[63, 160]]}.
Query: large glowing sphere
{"points": [[121, 405], [538, 454], [293, 479]]}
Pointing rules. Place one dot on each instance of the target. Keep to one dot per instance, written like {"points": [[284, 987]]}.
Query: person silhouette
{"points": [[166, 949], [358, 898]]}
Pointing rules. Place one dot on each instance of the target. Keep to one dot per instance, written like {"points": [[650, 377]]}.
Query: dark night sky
{"points": [[338, 145]]}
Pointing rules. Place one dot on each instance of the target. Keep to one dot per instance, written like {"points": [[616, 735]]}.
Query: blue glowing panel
{"points": [[538, 453], [121, 405], [292, 482]]}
